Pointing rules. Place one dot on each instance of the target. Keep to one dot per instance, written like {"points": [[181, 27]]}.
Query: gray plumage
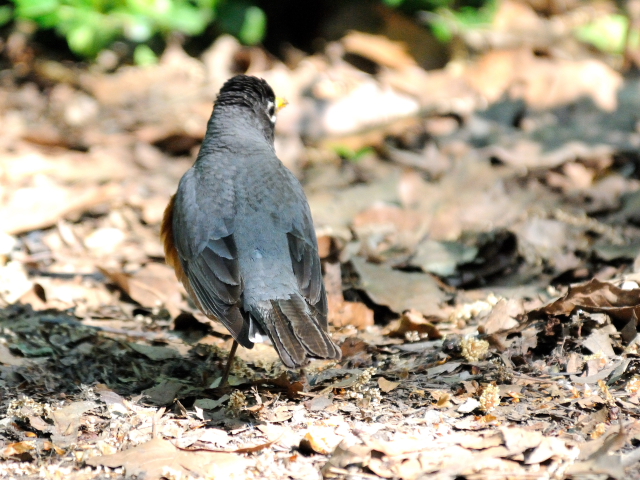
{"points": [[244, 234]]}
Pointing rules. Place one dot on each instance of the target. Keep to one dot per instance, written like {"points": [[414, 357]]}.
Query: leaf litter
{"points": [[481, 272]]}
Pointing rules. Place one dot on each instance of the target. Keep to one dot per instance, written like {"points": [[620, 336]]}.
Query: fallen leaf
{"points": [[343, 313], [18, 448], [153, 352], [151, 459], [322, 440], [412, 321], [68, 420], [210, 404], [319, 403], [8, 358], [599, 342], [379, 49], [41, 207], [502, 316], [345, 455], [164, 393], [399, 290], [386, 385]]}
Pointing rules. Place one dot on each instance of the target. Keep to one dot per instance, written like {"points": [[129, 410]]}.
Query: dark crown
{"points": [[244, 90]]}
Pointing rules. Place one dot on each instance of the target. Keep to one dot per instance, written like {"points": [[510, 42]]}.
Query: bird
{"points": [[239, 233]]}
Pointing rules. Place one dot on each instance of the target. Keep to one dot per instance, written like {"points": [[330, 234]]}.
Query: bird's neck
{"points": [[237, 129]]}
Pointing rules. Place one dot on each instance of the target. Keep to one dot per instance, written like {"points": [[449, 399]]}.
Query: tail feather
{"points": [[304, 328], [295, 334], [290, 350]]}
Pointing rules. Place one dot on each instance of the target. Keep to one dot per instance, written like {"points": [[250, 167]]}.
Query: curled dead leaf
{"points": [[412, 321], [386, 385], [18, 448]]}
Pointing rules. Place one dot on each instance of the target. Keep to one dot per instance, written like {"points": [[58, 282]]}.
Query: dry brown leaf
{"points": [[599, 342], [250, 449], [386, 230], [68, 420], [343, 313], [387, 385], [399, 446], [322, 440], [151, 459], [345, 455], [479, 441], [356, 314], [153, 285], [502, 316], [378, 49], [292, 388], [544, 82], [353, 346], [518, 440], [602, 461], [549, 447], [444, 400], [335, 210], [40, 207], [412, 321], [277, 415], [8, 358], [601, 375], [18, 448], [596, 296], [324, 246], [399, 290], [319, 403], [164, 393]]}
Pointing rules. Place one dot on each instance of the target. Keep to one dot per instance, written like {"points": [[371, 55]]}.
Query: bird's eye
{"points": [[272, 110]]}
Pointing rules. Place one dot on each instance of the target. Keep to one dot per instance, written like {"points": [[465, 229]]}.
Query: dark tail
{"points": [[296, 334]]}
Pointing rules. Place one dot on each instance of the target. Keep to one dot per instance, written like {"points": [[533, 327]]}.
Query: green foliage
{"points": [[608, 33], [350, 154], [6, 14], [143, 55], [92, 25], [243, 20], [448, 17]]}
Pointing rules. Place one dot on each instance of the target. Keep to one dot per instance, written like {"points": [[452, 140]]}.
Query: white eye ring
{"points": [[271, 111]]}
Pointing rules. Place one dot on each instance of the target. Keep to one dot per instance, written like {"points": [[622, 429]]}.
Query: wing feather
{"points": [[208, 257]]}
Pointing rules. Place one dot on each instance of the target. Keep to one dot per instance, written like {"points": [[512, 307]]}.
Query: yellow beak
{"points": [[281, 102]]}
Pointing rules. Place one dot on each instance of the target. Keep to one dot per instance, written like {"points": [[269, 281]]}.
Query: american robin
{"points": [[240, 237]]}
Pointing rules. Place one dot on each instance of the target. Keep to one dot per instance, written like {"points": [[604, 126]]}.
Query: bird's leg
{"points": [[303, 378], [227, 368]]}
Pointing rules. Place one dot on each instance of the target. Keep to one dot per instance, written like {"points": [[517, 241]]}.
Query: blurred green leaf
{"points": [[32, 9], [81, 39], [138, 28], [144, 56], [6, 14], [447, 22], [188, 19], [350, 154], [243, 20], [608, 34], [254, 26], [91, 25], [441, 29]]}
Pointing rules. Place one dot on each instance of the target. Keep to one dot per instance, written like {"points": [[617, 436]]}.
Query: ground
{"points": [[479, 234]]}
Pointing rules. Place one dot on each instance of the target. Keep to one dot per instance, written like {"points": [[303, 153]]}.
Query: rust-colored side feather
{"points": [[166, 235], [171, 255]]}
